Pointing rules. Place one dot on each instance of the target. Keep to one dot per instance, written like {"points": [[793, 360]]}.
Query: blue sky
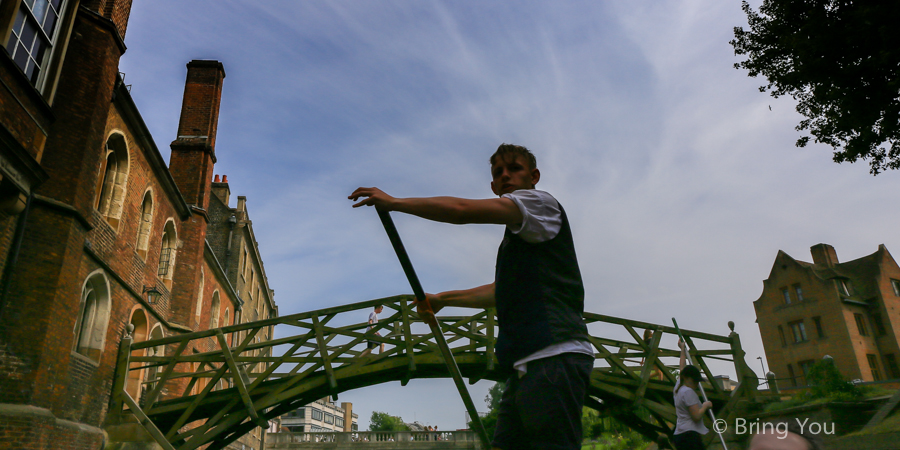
{"points": [[680, 178]]}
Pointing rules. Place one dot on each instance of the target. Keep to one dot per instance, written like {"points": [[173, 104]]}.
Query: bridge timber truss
{"points": [[211, 387]]}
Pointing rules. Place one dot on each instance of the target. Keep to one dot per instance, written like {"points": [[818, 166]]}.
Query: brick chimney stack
{"points": [[191, 166], [194, 149], [824, 255]]}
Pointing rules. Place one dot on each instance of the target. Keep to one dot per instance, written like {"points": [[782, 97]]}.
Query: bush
{"points": [[825, 381]]}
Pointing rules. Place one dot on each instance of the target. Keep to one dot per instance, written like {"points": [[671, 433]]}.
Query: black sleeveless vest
{"points": [[539, 293]]}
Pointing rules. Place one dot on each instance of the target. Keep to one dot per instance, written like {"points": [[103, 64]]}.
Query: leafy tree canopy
{"points": [[492, 399], [381, 421], [840, 59]]}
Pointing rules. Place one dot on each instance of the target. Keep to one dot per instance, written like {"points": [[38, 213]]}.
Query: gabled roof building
{"points": [[849, 311]]}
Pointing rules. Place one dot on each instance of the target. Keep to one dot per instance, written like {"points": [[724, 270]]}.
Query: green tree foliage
{"points": [[385, 422], [840, 59], [492, 399], [493, 396], [825, 380]]}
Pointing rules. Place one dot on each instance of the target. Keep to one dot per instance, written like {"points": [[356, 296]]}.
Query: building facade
{"points": [[849, 311], [321, 416], [98, 232]]}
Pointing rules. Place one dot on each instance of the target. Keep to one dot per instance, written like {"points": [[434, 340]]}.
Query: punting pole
{"points": [[388, 223]]}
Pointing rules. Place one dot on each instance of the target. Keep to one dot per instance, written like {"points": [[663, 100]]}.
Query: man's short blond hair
{"points": [[505, 150]]}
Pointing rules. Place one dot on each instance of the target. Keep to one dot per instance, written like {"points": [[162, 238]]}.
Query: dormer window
{"points": [[845, 287]]}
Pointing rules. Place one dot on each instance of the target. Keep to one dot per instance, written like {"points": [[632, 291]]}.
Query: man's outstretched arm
{"points": [[501, 211], [478, 297]]}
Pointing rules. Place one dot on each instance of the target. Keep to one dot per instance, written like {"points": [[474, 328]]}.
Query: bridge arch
{"points": [[246, 382]]}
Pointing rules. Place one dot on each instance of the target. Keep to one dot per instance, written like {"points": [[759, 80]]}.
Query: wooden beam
{"points": [[146, 422], [239, 376], [150, 399]]}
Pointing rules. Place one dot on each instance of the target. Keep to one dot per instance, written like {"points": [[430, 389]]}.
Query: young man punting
{"points": [[543, 342]]}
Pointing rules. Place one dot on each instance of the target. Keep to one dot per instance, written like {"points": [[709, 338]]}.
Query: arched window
{"points": [[214, 311], [144, 223], [153, 372], [227, 318], [135, 381], [200, 297], [113, 177], [167, 254], [90, 330]]}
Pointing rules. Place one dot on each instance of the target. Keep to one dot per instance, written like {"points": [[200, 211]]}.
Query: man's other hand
{"points": [[434, 301], [372, 197]]}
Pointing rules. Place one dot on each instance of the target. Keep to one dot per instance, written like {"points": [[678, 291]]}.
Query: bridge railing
{"points": [[370, 437]]}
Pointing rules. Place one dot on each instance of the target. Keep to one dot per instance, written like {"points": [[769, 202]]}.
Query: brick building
{"points": [[97, 231], [850, 311]]}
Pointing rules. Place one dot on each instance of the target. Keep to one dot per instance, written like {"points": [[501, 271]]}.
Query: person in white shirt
{"points": [[689, 411], [543, 343], [373, 320]]}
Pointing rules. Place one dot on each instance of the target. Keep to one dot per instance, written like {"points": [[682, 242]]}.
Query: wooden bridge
{"points": [[211, 387]]}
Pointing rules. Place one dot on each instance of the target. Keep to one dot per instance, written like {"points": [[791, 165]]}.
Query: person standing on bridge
{"points": [[542, 344], [373, 320], [689, 411]]}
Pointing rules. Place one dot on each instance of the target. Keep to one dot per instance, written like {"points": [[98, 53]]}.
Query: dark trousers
{"points": [[542, 410], [689, 440]]}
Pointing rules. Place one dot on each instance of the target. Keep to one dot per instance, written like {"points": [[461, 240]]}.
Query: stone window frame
{"points": [[895, 284], [168, 251], [145, 224], [214, 310], [156, 332], [112, 179], [786, 295], [199, 308], [134, 381], [92, 324]]}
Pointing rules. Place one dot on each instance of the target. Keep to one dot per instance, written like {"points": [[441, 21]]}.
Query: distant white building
{"points": [[322, 415]]}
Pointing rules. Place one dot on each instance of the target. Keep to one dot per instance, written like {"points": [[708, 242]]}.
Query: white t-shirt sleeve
{"points": [[541, 216], [690, 398]]}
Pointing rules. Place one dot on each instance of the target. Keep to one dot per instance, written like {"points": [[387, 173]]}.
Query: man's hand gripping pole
{"points": [[427, 314]]}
